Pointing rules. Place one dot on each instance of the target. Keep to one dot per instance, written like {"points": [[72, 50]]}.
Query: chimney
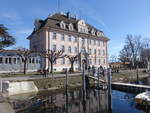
{"points": [[68, 14]]}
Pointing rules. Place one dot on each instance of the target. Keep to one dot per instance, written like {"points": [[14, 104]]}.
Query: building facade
{"points": [[71, 35], [10, 62]]}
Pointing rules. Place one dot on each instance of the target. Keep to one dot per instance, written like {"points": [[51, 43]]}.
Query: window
{"points": [[18, 60], [83, 41], [54, 47], [10, 60], [93, 32], [30, 61], [99, 52], [98, 33], [69, 49], [103, 52], [62, 37], [98, 43], [63, 61], [95, 61], [104, 61], [63, 48], [90, 61], [33, 60], [69, 39], [62, 25], [37, 60], [54, 36], [94, 42], [103, 43], [6, 60], [95, 51], [99, 61], [15, 61], [75, 39], [90, 51], [76, 50], [1, 60], [70, 27], [89, 41]]}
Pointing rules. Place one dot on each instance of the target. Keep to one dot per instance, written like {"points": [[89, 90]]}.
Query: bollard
{"points": [[109, 90]]}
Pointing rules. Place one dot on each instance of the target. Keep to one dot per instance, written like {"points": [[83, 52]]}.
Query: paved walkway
{"points": [[35, 77]]}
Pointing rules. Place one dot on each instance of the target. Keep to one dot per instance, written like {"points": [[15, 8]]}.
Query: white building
{"points": [[63, 32]]}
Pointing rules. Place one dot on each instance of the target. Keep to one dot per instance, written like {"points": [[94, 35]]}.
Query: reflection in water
{"points": [[146, 81], [69, 102], [72, 101]]}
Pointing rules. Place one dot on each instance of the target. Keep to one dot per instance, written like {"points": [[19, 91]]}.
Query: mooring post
{"points": [[83, 83], [98, 77], [66, 84], [109, 90], [137, 74], [66, 81]]}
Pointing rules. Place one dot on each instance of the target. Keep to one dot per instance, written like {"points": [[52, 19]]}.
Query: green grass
{"points": [[128, 76]]}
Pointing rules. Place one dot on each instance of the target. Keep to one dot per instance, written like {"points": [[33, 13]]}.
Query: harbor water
{"points": [[75, 101]]}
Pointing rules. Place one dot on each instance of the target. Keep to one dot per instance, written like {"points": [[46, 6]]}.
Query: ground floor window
{"points": [[1, 60]]}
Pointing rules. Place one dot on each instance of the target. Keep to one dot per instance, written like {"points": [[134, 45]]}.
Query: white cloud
{"points": [[10, 16]]}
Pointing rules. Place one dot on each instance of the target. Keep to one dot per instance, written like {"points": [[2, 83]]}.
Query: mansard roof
{"points": [[54, 21]]}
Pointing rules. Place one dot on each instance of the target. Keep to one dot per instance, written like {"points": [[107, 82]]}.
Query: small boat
{"points": [[143, 98]]}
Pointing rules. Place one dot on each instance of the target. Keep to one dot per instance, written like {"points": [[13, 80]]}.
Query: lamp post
{"points": [[84, 56]]}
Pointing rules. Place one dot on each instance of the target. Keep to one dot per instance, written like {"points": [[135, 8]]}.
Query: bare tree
{"points": [[53, 56], [145, 52], [72, 59], [25, 54], [131, 49]]}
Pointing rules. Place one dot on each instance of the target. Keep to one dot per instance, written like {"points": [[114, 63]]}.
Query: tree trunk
{"points": [[72, 67], [51, 67]]}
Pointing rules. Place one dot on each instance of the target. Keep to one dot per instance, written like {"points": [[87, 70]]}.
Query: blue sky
{"points": [[116, 18]]}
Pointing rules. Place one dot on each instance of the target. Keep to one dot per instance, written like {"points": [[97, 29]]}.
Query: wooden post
{"points": [[137, 74], [98, 77], [66, 84], [109, 90], [83, 83], [66, 80]]}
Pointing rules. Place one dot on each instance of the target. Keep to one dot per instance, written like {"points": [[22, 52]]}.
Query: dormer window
{"points": [[98, 33], [71, 27], [62, 25], [93, 32], [82, 27]]}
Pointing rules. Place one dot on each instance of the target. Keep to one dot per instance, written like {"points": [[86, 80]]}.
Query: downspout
{"points": [[106, 54], [48, 49]]}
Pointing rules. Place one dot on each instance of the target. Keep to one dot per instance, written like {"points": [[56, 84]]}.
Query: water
{"points": [[96, 101], [146, 81]]}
